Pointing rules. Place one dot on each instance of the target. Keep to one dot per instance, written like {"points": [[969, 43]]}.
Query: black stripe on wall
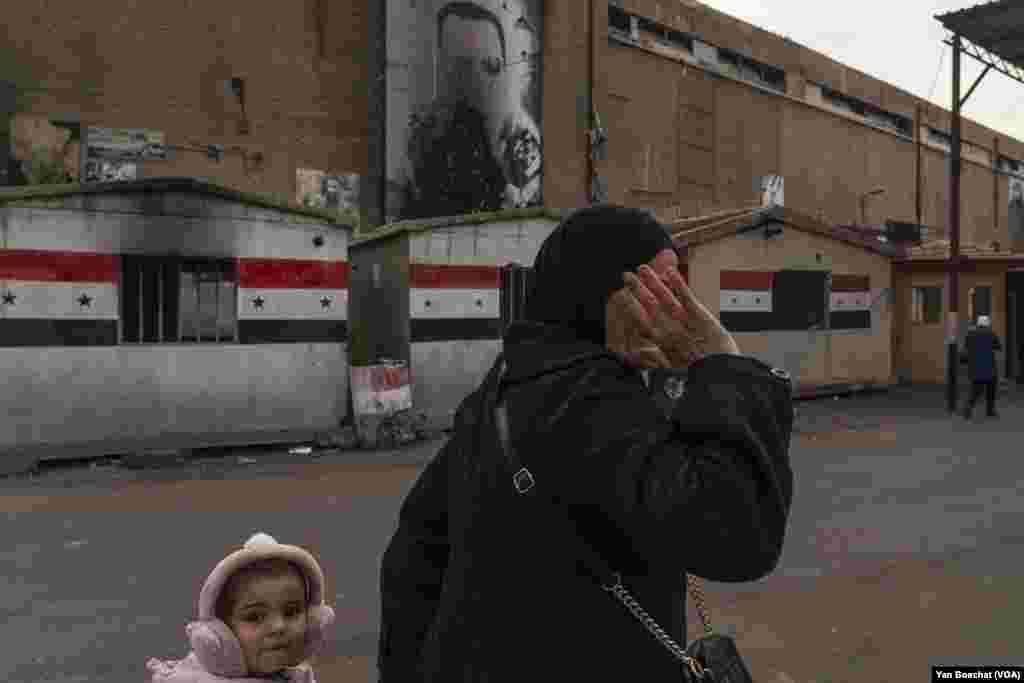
{"points": [[49, 332], [452, 329], [291, 331], [850, 320], [795, 322], [748, 321]]}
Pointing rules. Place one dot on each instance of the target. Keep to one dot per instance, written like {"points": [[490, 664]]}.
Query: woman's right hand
{"points": [[678, 323]]}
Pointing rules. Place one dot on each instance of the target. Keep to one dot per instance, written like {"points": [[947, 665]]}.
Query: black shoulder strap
{"points": [[526, 485]]}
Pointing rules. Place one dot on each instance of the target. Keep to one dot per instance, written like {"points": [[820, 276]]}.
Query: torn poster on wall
{"points": [[382, 389], [773, 191], [327, 191], [463, 103], [112, 154]]}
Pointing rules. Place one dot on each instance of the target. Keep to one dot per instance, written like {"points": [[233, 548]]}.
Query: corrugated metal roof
{"points": [[52, 194], [724, 226], [995, 26], [938, 250]]}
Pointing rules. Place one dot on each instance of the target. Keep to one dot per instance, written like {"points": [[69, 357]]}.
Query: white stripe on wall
{"points": [[454, 303], [850, 301], [745, 301], [292, 304], [487, 245], [254, 237], [60, 300]]}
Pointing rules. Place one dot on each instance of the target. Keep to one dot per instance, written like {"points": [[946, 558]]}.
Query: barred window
{"points": [[172, 300]]}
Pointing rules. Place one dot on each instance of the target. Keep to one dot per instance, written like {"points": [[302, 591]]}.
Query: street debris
{"points": [[300, 450]]}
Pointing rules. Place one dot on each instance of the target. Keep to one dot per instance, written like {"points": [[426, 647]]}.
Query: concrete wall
{"points": [[464, 305], [446, 372], [497, 243], [178, 223], [813, 357], [67, 395], [61, 394]]}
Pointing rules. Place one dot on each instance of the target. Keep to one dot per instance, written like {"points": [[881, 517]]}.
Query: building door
{"points": [[1012, 359], [800, 298]]}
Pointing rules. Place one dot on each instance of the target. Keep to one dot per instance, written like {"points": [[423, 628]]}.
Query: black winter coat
{"points": [[980, 348], [475, 586]]}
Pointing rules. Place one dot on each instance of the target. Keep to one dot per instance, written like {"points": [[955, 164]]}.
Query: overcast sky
{"points": [[898, 41]]}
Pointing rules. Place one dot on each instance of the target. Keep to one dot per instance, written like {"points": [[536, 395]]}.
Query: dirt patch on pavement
{"points": [[309, 485], [848, 438], [885, 626], [890, 624]]}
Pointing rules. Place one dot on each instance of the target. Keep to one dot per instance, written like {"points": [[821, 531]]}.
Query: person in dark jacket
{"points": [[980, 348], [477, 585]]}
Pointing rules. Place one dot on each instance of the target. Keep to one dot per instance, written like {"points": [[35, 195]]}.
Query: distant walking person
{"points": [[980, 350]]}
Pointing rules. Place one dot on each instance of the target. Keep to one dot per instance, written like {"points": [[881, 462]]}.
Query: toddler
{"points": [[262, 615]]}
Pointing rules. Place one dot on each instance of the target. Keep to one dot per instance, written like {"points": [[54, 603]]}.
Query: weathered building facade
{"points": [[798, 294], [732, 105], [433, 108], [160, 311], [283, 89], [435, 295]]}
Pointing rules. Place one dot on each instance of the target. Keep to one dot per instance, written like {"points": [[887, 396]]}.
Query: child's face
{"points": [[268, 616]]}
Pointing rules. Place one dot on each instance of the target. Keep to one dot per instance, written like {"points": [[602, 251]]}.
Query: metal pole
{"points": [[953, 316]]}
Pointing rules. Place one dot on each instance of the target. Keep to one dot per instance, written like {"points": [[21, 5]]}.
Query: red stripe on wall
{"points": [[851, 283], [58, 266], [430, 276], [292, 273], [746, 279]]}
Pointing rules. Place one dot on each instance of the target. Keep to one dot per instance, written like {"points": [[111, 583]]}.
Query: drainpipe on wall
{"points": [[592, 75], [917, 147]]}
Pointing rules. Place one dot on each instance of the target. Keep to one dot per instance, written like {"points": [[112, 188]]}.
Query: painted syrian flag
{"points": [[449, 302], [745, 300], [58, 298], [786, 300], [292, 300], [850, 302]]}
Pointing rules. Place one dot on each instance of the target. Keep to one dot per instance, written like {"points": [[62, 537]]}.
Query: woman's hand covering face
{"points": [[666, 313]]}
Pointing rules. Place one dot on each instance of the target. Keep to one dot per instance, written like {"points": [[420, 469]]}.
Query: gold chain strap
{"points": [[698, 600], [620, 592]]}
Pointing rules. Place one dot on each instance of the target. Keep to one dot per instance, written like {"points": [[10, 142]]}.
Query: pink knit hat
{"points": [[213, 642], [258, 548]]}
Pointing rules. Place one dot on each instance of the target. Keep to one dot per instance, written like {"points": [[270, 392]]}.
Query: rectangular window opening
{"points": [[927, 305], [173, 300], [980, 299]]}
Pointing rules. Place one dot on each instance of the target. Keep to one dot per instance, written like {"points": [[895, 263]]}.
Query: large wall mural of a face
{"points": [[463, 103]]}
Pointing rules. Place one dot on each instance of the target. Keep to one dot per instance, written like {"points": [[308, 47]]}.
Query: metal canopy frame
{"points": [[992, 34]]}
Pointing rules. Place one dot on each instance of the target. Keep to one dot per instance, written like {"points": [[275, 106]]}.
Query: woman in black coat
{"points": [[479, 585]]}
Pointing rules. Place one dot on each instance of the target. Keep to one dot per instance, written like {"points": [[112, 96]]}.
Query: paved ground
{"points": [[904, 550]]}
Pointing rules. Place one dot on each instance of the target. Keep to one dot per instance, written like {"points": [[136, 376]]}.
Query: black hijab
{"points": [[581, 262]]}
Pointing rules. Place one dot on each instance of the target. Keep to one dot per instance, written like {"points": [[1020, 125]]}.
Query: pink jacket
{"points": [[189, 670]]}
